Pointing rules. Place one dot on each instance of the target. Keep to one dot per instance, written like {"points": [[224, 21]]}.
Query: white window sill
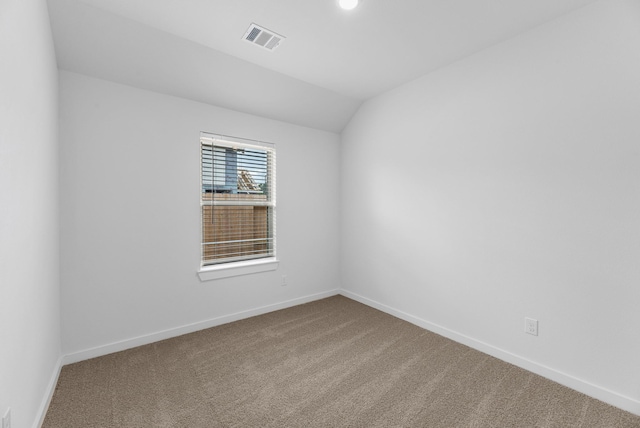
{"points": [[226, 270]]}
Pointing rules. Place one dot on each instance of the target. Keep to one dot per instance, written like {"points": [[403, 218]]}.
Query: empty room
{"points": [[319, 213]]}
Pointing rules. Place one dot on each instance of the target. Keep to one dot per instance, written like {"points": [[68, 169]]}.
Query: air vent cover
{"points": [[262, 37]]}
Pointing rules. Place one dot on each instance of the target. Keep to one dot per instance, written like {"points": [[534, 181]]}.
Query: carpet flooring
{"points": [[329, 363]]}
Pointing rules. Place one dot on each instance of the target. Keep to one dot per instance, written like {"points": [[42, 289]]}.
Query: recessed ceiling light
{"points": [[348, 4]]}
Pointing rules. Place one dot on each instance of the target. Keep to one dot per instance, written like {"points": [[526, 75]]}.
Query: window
{"points": [[237, 199]]}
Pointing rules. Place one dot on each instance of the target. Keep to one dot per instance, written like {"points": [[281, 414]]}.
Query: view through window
{"points": [[237, 199]]}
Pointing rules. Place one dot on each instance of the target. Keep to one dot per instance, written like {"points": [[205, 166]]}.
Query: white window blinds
{"points": [[237, 199]]}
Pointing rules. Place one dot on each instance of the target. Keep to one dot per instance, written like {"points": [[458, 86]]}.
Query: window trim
{"points": [[208, 272], [247, 267]]}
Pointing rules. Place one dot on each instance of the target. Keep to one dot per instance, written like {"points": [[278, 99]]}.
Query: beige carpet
{"points": [[330, 363]]}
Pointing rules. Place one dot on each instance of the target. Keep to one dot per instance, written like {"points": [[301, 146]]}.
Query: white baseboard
{"points": [[46, 400], [603, 394], [190, 328]]}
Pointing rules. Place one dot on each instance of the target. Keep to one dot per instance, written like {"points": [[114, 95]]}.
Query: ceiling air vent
{"points": [[262, 37]]}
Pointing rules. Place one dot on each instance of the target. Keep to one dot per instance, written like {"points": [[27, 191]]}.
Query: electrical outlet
{"points": [[284, 280], [6, 419], [531, 326]]}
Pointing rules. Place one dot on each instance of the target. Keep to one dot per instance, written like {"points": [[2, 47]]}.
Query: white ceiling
{"points": [[331, 60]]}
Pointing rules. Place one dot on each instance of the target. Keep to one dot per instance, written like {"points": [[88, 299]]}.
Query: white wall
{"points": [[508, 185], [130, 216], [29, 270]]}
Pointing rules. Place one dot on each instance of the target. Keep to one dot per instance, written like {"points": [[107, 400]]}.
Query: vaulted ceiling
{"points": [[330, 61]]}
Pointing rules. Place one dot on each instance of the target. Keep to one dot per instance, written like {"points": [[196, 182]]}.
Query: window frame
{"points": [[248, 265]]}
